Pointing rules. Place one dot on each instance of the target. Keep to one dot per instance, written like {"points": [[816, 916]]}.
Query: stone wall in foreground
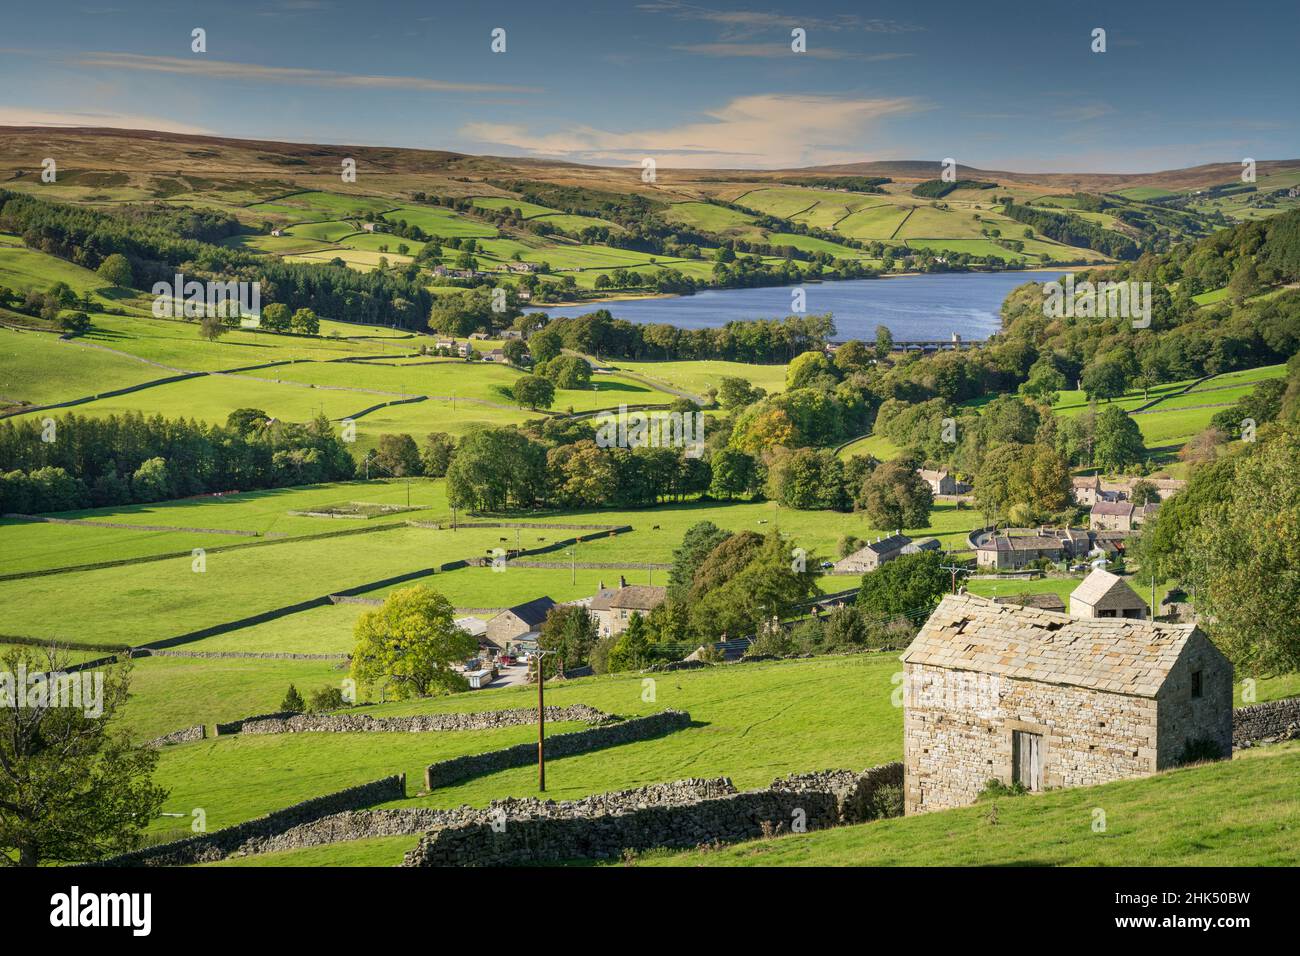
{"points": [[689, 813], [207, 847]]}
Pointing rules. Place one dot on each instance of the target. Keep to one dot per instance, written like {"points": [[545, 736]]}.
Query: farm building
{"points": [[943, 482], [1026, 696], [1111, 516], [613, 607], [519, 623], [1103, 594], [873, 554], [1012, 549]]}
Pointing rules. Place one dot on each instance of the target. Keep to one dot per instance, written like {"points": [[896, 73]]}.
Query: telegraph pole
{"points": [[541, 724], [954, 569]]}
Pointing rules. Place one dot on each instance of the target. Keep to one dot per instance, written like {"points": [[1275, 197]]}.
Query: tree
{"points": [[435, 457], [894, 496], [697, 544], [632, 649], [304, 322], [410, 643], [1143, 492], [211, 327], [734, 393], [151, 481], [74, 322], [809, 370], [1244, 557], [545, 344], [884, 342], [568, 371], [775, 577], [116, 270], [1118, 440], [583, 473], [852, 356], [1104, 379], [733, 473], [71, 790], [247, 420], [496, 468], [534, 391], [292, 703], [568, 635], [275, 317], [398, 456], [516, 352], [910, 585]]}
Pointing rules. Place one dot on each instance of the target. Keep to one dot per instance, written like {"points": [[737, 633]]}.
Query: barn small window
{"points": [[1198, 683]]}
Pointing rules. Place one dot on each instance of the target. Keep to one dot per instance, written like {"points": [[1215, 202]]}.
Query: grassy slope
{"points": [[752, 722], [1246, 815]]}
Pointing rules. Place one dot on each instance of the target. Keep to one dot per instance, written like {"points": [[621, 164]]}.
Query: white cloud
{"points": [[765, 130], [226, 69], [14, 116]]}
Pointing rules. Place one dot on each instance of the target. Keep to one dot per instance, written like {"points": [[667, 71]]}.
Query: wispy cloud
{"points": [[226, 69], [764, 130], [775, 50], [739, 24], [16, 116]]}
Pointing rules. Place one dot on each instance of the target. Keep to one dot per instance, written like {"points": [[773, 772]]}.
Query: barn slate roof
{"points": [[533, 613], [1111, 655]]}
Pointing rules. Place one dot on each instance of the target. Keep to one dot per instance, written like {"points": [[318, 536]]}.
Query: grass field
{"points": [[1245, 814], [751, 722]]}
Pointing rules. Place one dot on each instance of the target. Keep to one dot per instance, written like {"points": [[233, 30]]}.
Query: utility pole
{"points": [[954, 569], [541, 723]]}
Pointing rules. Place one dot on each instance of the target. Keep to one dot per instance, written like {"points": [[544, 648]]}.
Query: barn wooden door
{"points": [[1027, 759]]}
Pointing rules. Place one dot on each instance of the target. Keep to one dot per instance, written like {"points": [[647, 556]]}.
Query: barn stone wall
{"points": [[957, 734], [1184, 718]]}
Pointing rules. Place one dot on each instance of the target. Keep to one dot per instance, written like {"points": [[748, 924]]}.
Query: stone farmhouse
{"points": [[1012, 549], [943, 482], [1030, 697], [519, 624], [1091, 489], [1111, 516], [873, 554], [613, 607], [1103, 594]]}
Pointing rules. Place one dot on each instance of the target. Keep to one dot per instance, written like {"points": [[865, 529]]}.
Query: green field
{"points": [[1245, 815]]}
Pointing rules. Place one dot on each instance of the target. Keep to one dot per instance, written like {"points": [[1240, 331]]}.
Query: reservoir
{"points": [[921, 307]]}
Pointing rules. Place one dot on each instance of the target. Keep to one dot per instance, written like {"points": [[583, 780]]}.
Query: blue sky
{"points": [[715, 84]]}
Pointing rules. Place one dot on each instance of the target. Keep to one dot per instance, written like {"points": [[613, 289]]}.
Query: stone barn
{"points": [[1103, 594], [1021, 695]]}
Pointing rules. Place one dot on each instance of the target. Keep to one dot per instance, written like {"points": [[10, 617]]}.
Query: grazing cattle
{"points": [[655, 528]]}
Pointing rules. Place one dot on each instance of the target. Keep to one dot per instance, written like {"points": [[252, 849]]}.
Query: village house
{"points": [[496, 355], [873, 554], [1103, 594], [1030, 697], [613, 607], [519, 624], [943, 482], [1111, 516], [374, 227], [1014, 549], [1092, 488]]}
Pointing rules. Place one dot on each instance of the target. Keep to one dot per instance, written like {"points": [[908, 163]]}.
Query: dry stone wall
{"points": [[1265, 723], [219, 844], [419, 723], [681, 815], [183, 736]]}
